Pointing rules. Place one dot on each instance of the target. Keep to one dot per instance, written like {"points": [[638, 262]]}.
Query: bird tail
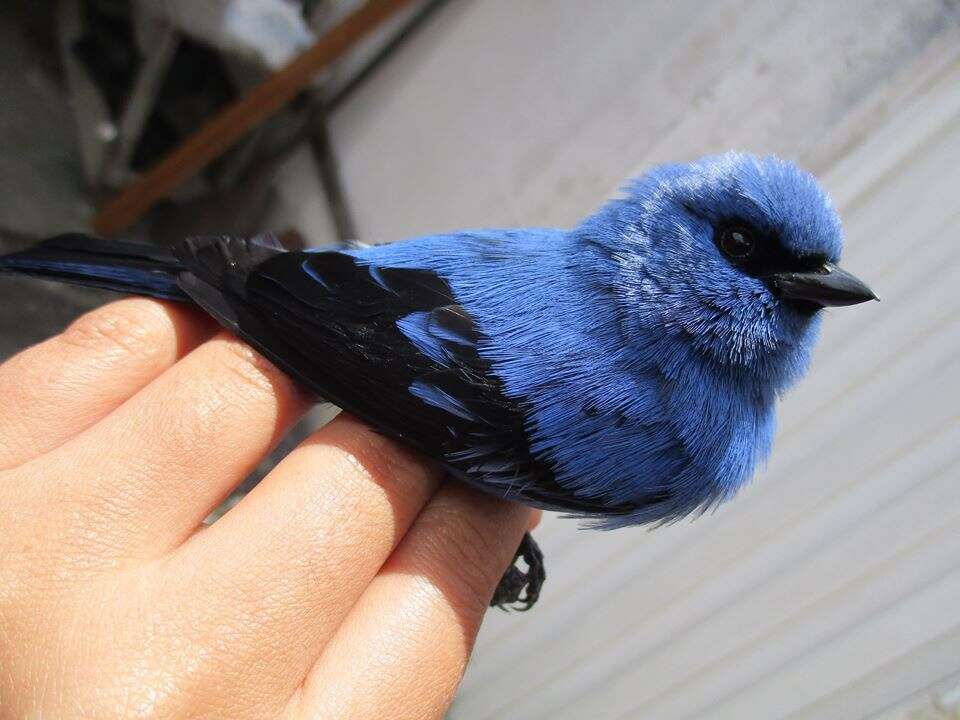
{"points": [[111, 264]]}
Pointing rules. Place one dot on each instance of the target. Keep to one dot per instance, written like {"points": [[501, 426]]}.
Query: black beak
{"points": [[827, 285]]}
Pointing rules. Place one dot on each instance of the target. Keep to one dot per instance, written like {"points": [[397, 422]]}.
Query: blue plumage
{"points": [[649, 363], [625, 370]]}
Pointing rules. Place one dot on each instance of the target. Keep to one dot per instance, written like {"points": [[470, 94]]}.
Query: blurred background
{"points": [[831, 587]]}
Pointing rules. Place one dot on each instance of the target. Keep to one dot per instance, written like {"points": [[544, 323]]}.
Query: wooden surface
{"points": [[831, 587], [236, 120]]}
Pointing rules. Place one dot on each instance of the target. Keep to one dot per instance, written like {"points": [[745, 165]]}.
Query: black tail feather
{"points": [[110, 264]]}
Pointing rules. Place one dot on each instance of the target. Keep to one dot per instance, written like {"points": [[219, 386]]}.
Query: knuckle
{"points": [[252, 373], [136, 327], [378, 458], [182, 432]]}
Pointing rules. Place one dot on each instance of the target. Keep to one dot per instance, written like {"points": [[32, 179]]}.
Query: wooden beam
{"points": [[233, 122]]}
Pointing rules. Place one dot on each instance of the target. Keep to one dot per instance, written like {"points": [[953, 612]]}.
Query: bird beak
{"points": [[827, 285]]}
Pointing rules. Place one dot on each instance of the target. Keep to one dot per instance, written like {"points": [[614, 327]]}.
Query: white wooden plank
{"points": [[910, 687], [869, 565], [921, 616]]}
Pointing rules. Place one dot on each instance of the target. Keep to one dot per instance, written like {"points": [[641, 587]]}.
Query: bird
{"points": [[625, 371]]}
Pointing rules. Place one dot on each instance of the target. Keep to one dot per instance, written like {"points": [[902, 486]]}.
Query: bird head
{"points": [[736, 254]]}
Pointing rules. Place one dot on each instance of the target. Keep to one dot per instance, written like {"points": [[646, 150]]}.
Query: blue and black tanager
{"points": [[625, 370]]}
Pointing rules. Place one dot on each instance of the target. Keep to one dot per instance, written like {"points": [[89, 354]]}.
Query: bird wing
{"points": [[389, 345]]}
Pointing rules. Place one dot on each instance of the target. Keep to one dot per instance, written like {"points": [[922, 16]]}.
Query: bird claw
{"points": [[519, 589]]}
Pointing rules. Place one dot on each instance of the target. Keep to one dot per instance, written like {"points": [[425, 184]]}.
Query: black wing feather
{"points": [[332, 324]]}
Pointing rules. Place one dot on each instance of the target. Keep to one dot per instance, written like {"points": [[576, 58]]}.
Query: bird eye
{"points": [[737, 242]]}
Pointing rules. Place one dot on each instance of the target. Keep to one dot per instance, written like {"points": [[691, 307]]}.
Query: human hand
{"points": [[349, 584]]}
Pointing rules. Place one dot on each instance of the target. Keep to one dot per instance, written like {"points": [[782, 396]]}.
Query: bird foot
{"points": [[519, 589]]}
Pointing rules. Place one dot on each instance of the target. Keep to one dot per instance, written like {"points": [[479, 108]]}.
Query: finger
{"points": [[408, 639], [57, 389], [285, 565], [536, 516], [140, 481]]}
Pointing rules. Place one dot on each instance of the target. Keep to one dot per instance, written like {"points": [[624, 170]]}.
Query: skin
{"points": [[350, 583]]}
